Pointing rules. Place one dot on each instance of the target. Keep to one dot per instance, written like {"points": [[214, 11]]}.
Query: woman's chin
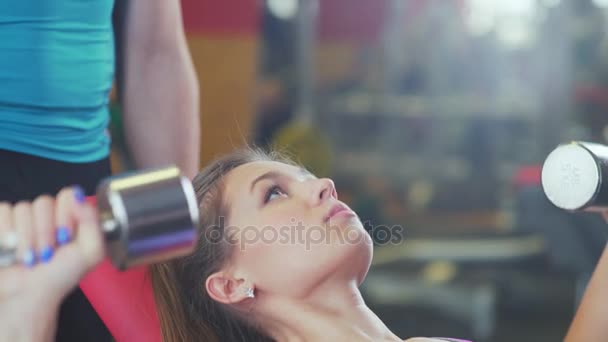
{"points": [[367, 254], [348, 230], [358, 249], [345, 220]]}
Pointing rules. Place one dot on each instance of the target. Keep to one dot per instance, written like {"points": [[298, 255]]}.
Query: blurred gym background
{"points": [[433, 116]]}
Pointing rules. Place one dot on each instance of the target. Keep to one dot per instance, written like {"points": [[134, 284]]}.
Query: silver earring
{"points": [[249, 292]]}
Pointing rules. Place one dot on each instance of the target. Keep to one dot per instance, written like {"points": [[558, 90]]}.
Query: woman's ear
{"points": [[225, 289]]}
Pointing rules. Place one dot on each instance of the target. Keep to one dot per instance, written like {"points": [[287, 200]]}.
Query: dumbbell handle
{"points": [[147, 216], [161, 213]]}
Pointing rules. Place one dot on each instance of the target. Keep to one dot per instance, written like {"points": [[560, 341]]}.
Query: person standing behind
{"points": [[58, 60]]}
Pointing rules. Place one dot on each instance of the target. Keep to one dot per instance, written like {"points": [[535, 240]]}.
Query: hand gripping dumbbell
{"points": [[146, 217], [575, 176]]}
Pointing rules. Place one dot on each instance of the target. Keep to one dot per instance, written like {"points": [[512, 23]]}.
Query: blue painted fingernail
{"points": [[29, 258], [79, 194], [63, 235], [46, 254]]}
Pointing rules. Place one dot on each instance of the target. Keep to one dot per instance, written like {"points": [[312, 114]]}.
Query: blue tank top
{"points": [[56, 72]]}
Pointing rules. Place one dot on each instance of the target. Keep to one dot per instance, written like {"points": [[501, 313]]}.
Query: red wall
{"points": [[221, 17]]}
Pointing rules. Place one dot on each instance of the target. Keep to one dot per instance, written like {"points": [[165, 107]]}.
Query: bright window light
{"points": [[283, 9]]}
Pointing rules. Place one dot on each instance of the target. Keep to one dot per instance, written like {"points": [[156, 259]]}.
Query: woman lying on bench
{"points": [[279, 258]]}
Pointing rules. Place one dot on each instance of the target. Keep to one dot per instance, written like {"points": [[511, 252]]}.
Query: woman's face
{"points": [[293, 234]]}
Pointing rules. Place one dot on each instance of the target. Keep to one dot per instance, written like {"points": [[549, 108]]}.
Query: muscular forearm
{"points": [[161, 110], [591, 320]]}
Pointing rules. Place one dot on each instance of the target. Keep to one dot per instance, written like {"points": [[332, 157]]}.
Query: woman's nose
{"points": [[324, 189]]}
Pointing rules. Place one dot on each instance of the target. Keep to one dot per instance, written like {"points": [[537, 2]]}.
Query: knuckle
{"points": [[64, 194], [23, 207], [5, 209], [42, 202]]}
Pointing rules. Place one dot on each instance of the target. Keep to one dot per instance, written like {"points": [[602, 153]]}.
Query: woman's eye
{"points": [[273, 192]]}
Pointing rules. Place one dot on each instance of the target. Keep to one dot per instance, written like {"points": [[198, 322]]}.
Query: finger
{"points": [[90, 237], [11, 278], [80, 219], [75, 259], [8, 238], [44, 227], [22, 219], [67, 203], [85, 249]]}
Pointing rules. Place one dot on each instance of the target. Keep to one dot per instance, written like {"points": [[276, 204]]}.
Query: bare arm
{"points": [[31, 293], [591, 319], [157, 84]]}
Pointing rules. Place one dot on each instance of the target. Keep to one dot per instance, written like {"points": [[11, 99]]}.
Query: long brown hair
{"points": [[185, 310]]}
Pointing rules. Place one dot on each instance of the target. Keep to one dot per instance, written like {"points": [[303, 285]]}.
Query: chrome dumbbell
{"points": [[575, 176], [146, 216]]}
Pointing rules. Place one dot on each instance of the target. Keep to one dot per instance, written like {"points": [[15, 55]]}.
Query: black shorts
{"points": [[24, 177]]}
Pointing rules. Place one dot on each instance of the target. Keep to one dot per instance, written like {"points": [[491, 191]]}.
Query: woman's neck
{"points": [[335, 312]]}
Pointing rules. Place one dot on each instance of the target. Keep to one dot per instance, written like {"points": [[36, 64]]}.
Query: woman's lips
{"points": [[338, 209]]}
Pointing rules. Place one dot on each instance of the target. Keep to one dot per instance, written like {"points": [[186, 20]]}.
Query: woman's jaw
{"points": [[299, 247], [277, 217], [334, 312]]}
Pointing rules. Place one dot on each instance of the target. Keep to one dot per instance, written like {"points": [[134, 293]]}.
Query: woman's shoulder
{"points": [[435, 339]]}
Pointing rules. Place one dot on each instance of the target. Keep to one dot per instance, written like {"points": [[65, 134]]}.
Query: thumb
{"points": [[74, 260], [89, 239]]}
